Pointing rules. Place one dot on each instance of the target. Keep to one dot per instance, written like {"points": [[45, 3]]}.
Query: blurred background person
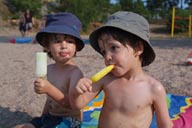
{"points": [[29, 22]]}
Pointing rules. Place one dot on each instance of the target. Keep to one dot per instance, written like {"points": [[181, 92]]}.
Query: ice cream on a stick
{"points": [[41, 64], [102, 73]]}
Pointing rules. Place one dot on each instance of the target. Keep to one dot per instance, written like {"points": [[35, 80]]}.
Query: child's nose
{"points": [[64, 44], [108, 56]]}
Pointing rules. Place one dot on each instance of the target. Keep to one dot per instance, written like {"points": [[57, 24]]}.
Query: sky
{"points": [[113, 1], [184, 5]]}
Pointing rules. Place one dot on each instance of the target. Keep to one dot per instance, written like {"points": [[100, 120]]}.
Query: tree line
{"points": [[91, 12]]}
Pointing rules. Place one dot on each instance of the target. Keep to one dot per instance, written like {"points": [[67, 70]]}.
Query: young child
{"points": [[61, 40], [131, 96]]}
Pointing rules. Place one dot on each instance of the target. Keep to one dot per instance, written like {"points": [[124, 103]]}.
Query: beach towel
{"points": [[180, 111], [92, 111]]}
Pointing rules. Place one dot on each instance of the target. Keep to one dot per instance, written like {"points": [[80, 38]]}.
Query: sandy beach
{"points": [[19, 103]]}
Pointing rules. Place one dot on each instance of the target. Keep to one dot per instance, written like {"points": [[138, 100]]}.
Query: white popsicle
{"points": [[41, 64]]}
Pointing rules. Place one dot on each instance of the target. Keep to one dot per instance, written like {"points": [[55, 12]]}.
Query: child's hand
{"points": [[41, 86], [84, 85]]}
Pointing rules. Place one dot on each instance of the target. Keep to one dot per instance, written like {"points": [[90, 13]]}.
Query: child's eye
{"points": [[70, 41], [113, 48], [58, 41], [102, 52]]}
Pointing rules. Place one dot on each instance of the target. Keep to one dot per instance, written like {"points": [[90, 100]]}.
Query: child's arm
{"points": [[42, 86], [160, 106], [82, 93], [86, 89]]}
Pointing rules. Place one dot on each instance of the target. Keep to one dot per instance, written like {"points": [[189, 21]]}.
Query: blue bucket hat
{"points": [[62, 23], [129, 22]]}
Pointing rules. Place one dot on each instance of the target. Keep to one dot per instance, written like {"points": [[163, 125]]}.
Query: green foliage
{"points": [[94, 12], [21, 5], [16, 16], [134, 6], [181, 20], [4, 11], [87, 11]]}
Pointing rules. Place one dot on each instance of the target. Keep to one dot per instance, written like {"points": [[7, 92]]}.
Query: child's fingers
{"points": [[83, 88], [37, 81], [84, 85], [37, 89], [88, 85], [79, 90], [38, 86], [90, 88]]}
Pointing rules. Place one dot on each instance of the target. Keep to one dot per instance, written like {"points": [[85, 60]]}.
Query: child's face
{"points": [[63, 49], [114, 52]]}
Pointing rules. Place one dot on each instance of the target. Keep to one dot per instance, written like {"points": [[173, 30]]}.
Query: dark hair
{"points": [[124, 38], [48, 38]]}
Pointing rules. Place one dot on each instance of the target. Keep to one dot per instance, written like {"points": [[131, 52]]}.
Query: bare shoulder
{"points": [[155, 86], [75, 71], [50, 65], [50, 68]]}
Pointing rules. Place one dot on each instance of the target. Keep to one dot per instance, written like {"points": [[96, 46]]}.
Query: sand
{"points": [[19, 103]]}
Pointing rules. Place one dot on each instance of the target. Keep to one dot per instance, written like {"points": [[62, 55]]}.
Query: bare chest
{"points": [[61, 83], [128, 99]]}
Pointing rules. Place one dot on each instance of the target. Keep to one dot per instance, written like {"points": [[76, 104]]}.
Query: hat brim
{"points": [[61, 29], [149, 54]]}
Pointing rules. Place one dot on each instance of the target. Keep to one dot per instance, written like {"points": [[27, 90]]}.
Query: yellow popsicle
{"points": [[102, 73]]}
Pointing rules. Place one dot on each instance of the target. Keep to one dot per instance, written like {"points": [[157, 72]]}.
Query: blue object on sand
{"points": [[86, 41], [23, 39]]}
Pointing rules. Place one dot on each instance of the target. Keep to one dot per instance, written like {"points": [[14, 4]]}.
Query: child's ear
{"points": [[139, 48]]}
